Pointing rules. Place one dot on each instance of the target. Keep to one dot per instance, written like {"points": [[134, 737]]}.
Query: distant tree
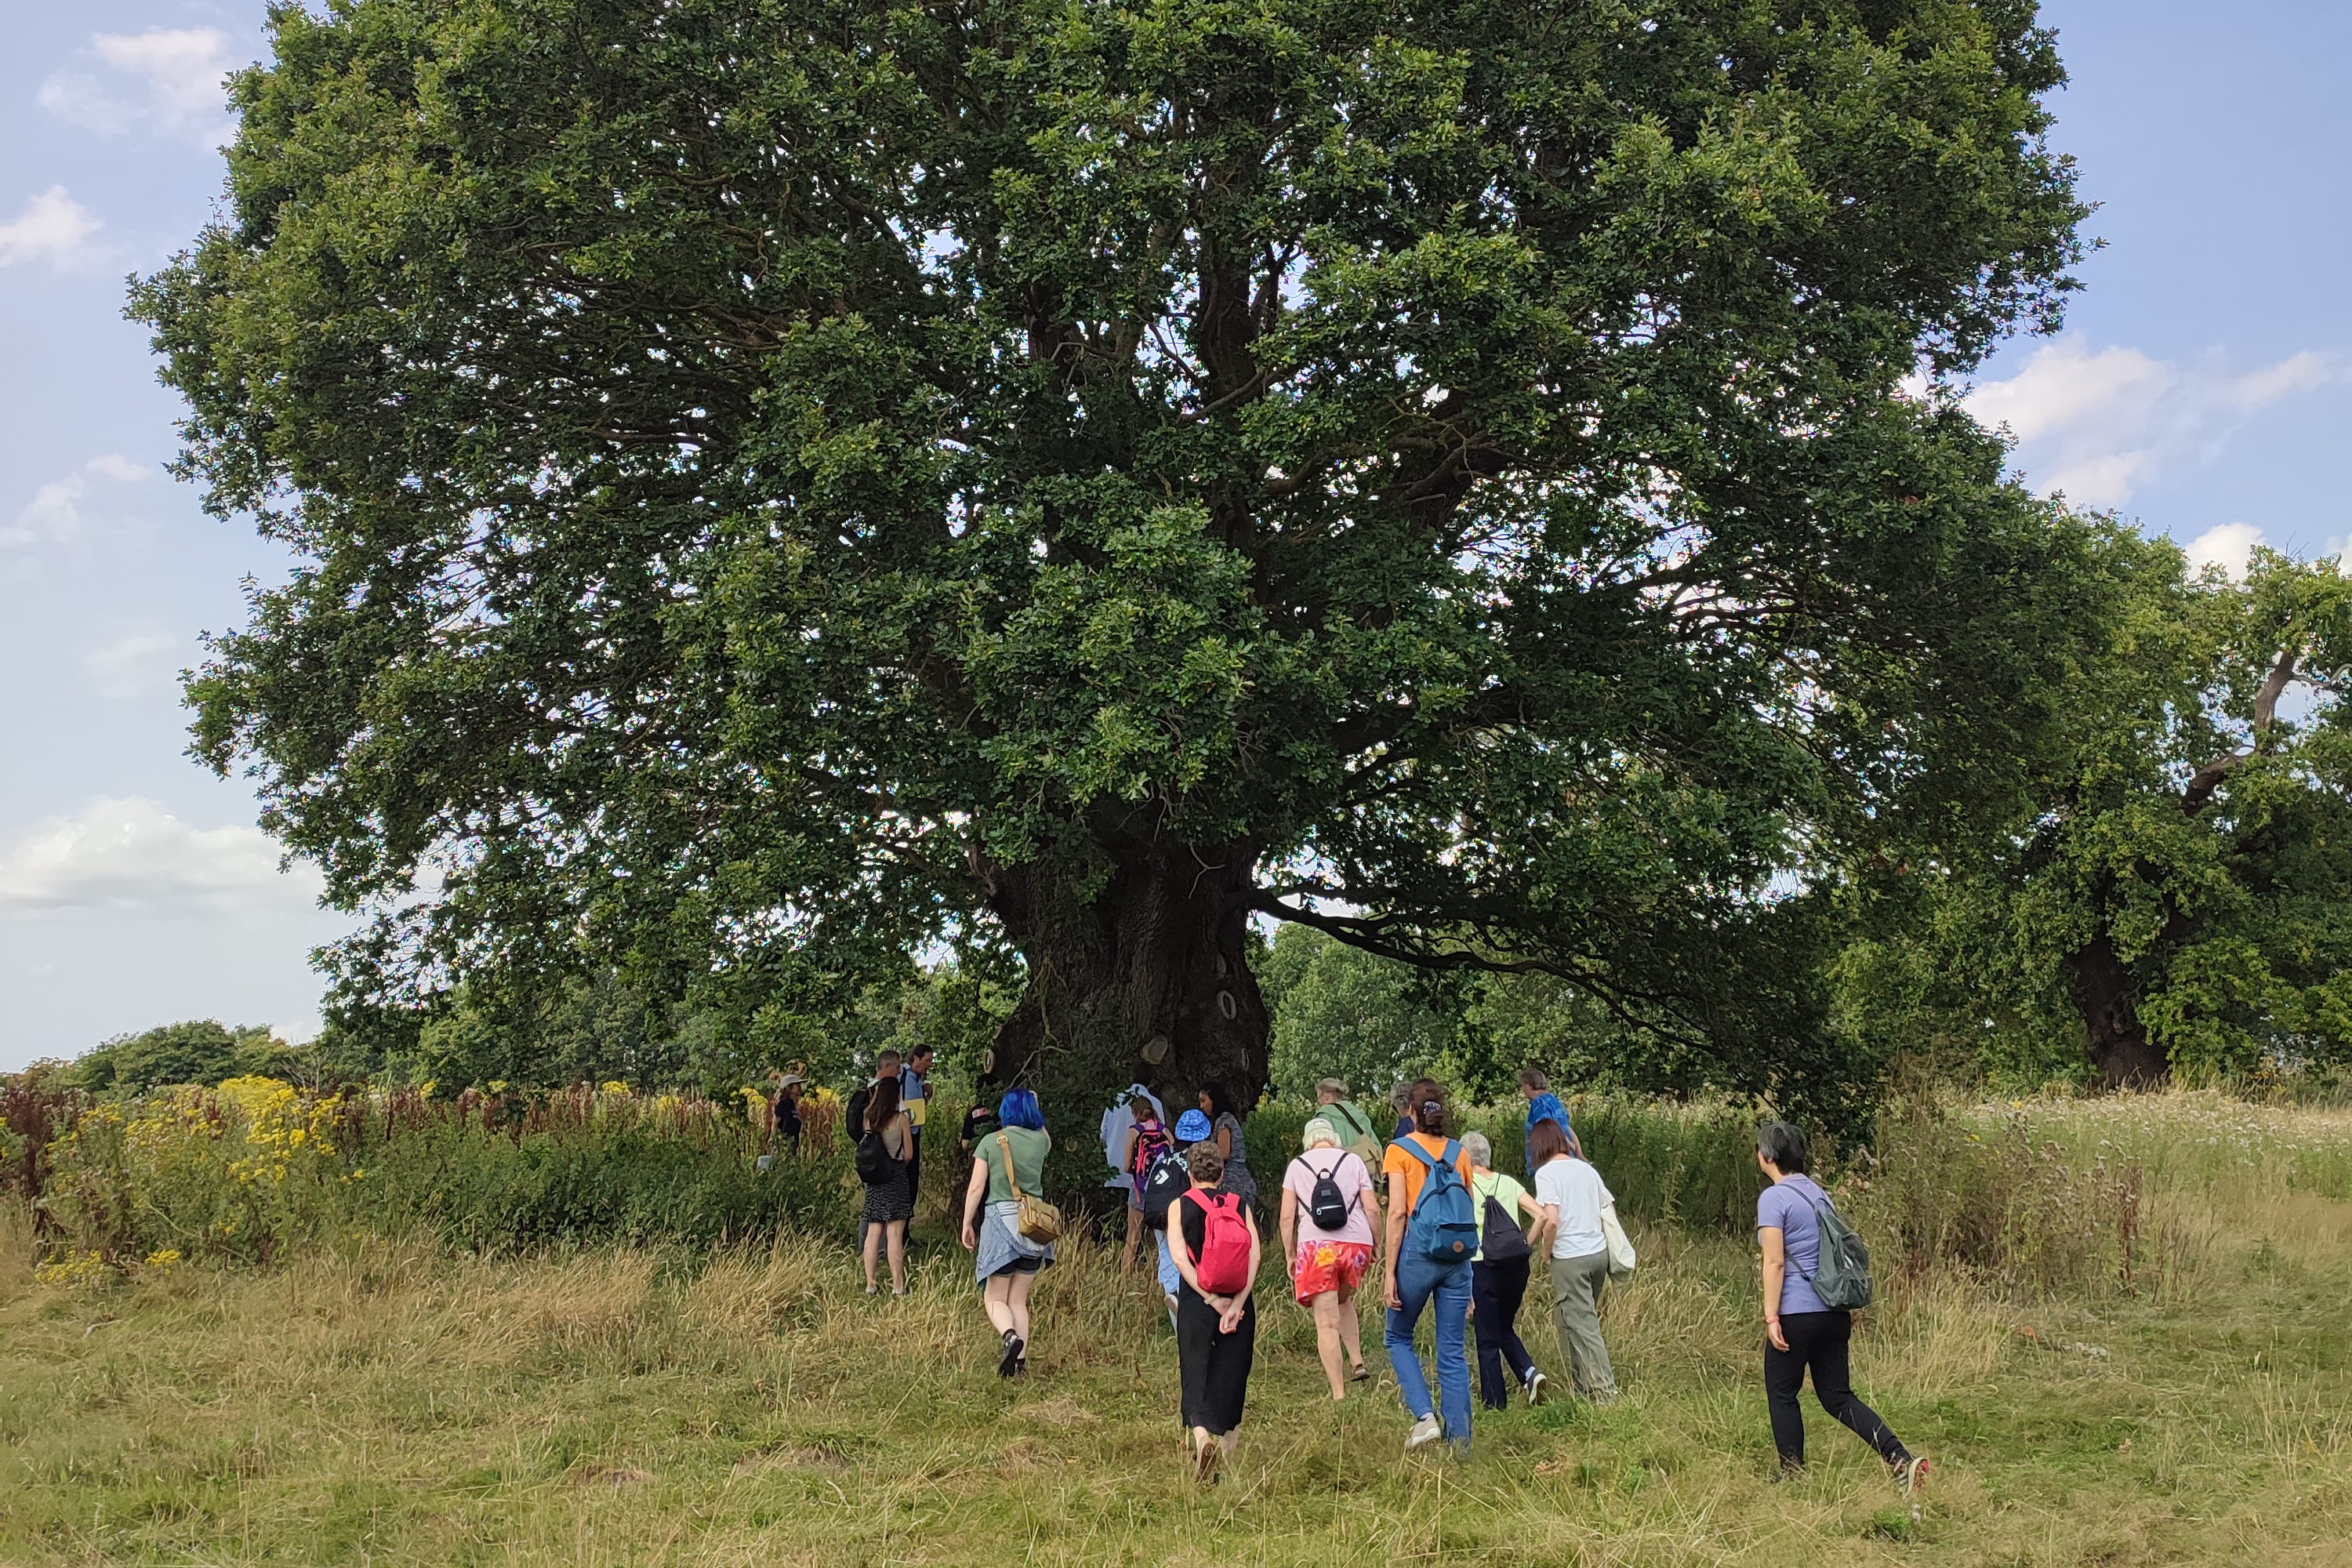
{"points": [[201, 1051], [2178, 891], [774, 483], [1341, 1012]]}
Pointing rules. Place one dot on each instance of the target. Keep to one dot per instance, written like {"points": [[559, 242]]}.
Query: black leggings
{"points": [[1819, 1339], [1496, 1292]]}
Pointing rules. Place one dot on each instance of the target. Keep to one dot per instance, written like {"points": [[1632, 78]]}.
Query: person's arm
{"points": [[1539, 1233], [1229, 1317], [1224, 1142], [1395, 1233], [975, 1192], [1289, 1222], [1371, 1198], [1776, 1270], [906, 1138], [1127, 1151]]}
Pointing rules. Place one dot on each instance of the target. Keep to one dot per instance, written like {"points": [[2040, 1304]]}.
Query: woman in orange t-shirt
{"points": [[1414, 1282]]}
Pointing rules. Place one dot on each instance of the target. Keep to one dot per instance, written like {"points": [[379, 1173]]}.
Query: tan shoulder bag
{"points": [[1038, 1220]]}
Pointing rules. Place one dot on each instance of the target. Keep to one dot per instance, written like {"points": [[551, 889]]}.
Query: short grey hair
{"points": [[1481, 1153], [1319, 1134], [1331, 1088]]}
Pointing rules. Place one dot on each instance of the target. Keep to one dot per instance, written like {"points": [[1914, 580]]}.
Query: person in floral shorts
{"points": [[1327, 1265]]}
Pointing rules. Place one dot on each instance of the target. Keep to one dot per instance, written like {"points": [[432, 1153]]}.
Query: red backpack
{"points": [[1224, 1265]]}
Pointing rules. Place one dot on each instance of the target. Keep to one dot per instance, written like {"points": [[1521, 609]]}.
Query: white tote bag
{"points": [[1621, 1246]]}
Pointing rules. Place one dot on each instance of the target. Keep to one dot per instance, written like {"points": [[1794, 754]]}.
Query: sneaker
{"points": [[1538, 1389], [1013, 1351], [1910, 1474], [1424, 1432]]}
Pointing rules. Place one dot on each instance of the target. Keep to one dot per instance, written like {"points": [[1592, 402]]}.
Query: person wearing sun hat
{"points": [[1193, 1127]]}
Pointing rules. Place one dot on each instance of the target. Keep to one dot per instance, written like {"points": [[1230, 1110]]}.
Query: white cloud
{"points": [[55, 512], [2097, 424], [131, 665], [175, 84], [51, 227], [131, 856], [301, 1031], [2230, 547]]}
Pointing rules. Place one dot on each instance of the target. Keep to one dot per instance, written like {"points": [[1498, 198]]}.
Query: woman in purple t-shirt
{"points": [[1800, 1332]]}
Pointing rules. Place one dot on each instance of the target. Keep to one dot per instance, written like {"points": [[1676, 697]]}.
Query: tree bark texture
{"points": [[1130, 958], [2120, 1047]]}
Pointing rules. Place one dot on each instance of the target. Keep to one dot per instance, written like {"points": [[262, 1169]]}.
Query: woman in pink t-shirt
{"points": [[1327, 1265]]}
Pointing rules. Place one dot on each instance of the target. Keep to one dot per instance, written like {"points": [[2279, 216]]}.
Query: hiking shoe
{"points": [[1424, 1432], [1015, 1349], [1910, 1474], [1538, 1389]]}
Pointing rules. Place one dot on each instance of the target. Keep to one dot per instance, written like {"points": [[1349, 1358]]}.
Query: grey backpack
{"points": [[1843, 1278]]}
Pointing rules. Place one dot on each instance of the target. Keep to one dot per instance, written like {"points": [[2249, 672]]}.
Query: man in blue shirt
{"points": [[1543, 1105]]}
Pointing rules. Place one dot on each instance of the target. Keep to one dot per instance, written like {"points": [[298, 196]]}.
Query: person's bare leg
{"points": [[1326, 1307], [1134, 1240], [897, 1243], [1019, 1302], [873, 1246], [998, 1299], [1351, 1330]]}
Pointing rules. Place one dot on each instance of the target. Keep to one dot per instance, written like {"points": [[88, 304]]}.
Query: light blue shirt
{"points": [[1784, 1205]]}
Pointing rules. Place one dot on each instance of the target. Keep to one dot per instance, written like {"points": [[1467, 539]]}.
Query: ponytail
{"points": [[1427, 1098]]}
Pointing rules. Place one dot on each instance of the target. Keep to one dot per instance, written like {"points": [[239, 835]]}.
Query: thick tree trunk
{"points": [[1138, 973], [2120, 1047]]}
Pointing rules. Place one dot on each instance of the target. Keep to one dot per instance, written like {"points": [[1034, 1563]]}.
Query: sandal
{"points": [[1205, 1462]]}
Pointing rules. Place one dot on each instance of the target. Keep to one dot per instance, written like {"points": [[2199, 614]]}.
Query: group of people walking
{"points": [[1449, 1236]]}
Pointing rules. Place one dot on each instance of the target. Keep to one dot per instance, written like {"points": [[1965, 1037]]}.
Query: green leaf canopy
{"points": [[780, 479]]}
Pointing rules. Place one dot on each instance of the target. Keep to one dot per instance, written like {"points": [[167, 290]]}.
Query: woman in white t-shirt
{"points": [[1327, 1265], [1574, 1197]]}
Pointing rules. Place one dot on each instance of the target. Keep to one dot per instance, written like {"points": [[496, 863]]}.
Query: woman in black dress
{"points": [[1216, 1331], [890, 1202]]}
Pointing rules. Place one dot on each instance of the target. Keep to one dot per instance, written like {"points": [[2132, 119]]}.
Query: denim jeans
{"points": [[1421, 1282]]}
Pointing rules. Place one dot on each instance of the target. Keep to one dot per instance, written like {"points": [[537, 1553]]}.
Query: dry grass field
{"points": [[391, 1403]]}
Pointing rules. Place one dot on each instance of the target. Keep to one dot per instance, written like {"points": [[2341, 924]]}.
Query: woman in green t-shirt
{"points": [[1498, 1283], [1006, 1165]]}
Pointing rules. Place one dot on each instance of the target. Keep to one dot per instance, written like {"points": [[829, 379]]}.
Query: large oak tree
{"points": [[779, 480]]}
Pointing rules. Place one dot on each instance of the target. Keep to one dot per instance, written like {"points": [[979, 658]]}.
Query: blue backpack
{"points": [[1445, 1224]]}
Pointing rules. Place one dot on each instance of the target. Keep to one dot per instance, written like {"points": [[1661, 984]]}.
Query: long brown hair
{"points": [[882, 1105]]}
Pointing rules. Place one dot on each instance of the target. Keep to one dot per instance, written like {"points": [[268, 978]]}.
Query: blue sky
{"points": [[2204, 386]]}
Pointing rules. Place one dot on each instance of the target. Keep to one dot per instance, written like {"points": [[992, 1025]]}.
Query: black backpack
{"points": [[1162, 1186], [1505, 1242], [874, 1161], [1326, 1206]]}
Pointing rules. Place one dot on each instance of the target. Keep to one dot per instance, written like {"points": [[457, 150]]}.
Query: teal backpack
{"points": [[1444, 1226], [1843, 1278]]}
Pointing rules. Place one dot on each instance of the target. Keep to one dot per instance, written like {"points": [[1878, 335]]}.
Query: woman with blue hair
{"points": [[1007, 1164]]}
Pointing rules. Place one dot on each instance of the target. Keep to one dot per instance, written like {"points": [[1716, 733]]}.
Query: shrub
{"points": [[242, 1172]]}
